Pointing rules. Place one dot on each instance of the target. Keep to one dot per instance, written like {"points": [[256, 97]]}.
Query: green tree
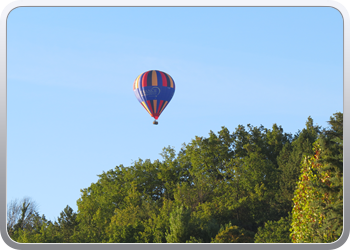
{"points": [[37, 232], [179, 230], [129, 219], [171, 172], [67, 223], [303, 211], [318, 200], [331, 162], [289, 161], [255, 173], [246, 177], [233, 234], [97, 204], [158, 225], [275, 231]]}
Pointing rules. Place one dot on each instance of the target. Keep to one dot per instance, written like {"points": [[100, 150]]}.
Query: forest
{"points": [[252, 185]]}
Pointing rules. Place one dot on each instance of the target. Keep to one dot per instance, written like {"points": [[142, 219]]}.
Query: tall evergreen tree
{"points": [[331, 162], [289, 161], [67, 223], [318, 200]]}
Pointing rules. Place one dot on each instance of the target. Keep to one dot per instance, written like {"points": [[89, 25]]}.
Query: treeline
{"points": [[251, 185]]}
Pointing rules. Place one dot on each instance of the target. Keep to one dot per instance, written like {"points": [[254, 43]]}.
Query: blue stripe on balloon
{"points": [[159, 78]]}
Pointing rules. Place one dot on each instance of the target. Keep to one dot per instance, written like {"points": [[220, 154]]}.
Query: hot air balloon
{"points": [[154, 90]]}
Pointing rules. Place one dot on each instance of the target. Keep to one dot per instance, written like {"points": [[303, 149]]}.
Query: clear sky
{"points": [[71, 111]]}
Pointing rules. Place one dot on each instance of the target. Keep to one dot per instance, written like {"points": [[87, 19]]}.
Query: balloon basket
{"points": [[155, 122]]}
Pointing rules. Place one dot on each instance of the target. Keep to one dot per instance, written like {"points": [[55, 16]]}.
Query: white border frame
{"points": [[171, 3]]}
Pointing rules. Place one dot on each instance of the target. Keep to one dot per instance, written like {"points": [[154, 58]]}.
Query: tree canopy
{"points": [[251, 185]]}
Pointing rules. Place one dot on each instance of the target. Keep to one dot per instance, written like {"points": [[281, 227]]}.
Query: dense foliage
{"points": [[318, 200], [250, 185], [275, 231]]}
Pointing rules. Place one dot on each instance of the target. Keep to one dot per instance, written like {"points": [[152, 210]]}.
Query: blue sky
{"points": [[71, 111]]}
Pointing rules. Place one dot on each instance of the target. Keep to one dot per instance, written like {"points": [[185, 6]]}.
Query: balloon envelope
{"points": [[154, 90]]}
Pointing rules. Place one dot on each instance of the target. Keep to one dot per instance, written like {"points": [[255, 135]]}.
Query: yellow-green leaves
{"points": [[307, 219]]}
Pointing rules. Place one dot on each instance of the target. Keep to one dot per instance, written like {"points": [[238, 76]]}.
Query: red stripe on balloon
{"points": [[150, 107], [144, 79], [164, 80], [159, 106]]}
